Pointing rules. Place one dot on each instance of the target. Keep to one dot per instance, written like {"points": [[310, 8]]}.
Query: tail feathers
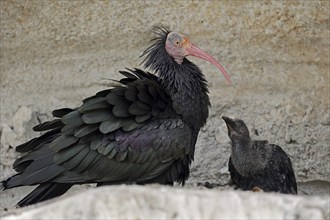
{"points": [[44, 192], [57, 123], [58, 113], [42, 154], [53, 129], [30, 177], [39, 141]]}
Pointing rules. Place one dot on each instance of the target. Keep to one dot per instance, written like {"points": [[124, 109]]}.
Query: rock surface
{"points": [[55, 53], [154, 202]]}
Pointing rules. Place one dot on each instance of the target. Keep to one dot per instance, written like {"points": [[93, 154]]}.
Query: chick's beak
{"points": [[230, 123]]}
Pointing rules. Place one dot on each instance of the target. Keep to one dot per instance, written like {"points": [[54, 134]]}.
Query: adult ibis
{"points": [[258, 165], [141, 131]]}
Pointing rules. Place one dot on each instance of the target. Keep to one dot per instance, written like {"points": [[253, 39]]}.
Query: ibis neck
{"points": [[188, 89]]}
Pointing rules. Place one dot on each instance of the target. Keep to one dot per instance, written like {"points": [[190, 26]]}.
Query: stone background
{"points": [[55, 53]]}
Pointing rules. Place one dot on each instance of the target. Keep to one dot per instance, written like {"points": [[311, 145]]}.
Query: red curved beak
{"points": [[197, 52]]}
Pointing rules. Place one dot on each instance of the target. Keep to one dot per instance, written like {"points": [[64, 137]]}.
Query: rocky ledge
{"points": [[159, 202]]}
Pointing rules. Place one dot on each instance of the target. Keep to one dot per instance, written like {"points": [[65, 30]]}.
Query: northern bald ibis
{"points": [[141, 131]]}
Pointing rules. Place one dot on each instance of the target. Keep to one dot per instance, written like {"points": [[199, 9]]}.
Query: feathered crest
{"points": [[161, 33], [156, 54]]}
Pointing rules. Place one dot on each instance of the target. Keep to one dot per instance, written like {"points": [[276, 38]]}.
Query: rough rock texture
{"points": [[55, 53], [135, 202]]}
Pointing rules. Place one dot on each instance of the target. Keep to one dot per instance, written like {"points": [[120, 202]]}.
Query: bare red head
{"points": [[179, 46]]}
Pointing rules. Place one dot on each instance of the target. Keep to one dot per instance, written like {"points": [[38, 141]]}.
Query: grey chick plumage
{"points": [[258, 163]]}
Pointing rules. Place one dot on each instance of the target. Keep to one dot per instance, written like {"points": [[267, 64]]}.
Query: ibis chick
{"points": [[258, 165]]}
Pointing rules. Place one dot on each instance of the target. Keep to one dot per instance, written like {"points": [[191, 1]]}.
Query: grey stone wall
{"points": [[55, 53]]}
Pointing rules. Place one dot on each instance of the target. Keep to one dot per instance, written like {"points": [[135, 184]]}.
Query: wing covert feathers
{"points": [[127, 133]]}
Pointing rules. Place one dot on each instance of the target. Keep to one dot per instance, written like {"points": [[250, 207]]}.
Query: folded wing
{"points": [[129, 133]]}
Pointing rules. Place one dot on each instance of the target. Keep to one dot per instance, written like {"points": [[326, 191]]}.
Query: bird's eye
{"points": [[177, 42]]}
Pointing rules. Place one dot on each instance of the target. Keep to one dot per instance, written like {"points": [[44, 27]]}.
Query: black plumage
{"points": [[255, 165], [143, 130]]}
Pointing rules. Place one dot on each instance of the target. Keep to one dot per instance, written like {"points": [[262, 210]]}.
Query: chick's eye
{"points": [[177, 42]]}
